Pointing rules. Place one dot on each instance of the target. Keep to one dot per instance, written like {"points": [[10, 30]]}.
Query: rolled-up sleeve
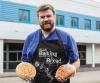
{"points": [[72, 50], [25, 55], [30, 46]]}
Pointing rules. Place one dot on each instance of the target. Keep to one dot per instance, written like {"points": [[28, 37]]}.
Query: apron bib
{"points": [[48, 57]]}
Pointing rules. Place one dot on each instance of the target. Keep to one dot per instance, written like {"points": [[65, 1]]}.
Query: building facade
{"points": [[18, 18]]}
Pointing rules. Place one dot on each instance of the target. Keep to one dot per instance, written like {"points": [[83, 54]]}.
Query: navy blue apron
{"points": [[49, 55]]}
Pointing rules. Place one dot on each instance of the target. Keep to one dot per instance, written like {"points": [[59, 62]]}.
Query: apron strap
{"points": [[60, 39], [61, 43], [40, 35]]}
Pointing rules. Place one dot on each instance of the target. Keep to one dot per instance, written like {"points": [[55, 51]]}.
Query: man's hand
{"points": [[30, 78]]}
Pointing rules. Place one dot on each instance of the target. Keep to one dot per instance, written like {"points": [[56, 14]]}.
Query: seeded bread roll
{"points": [[25, 70]]}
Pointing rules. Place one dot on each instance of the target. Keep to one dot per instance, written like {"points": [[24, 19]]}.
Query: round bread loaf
{"points": [[65, 71], [25, 70]]}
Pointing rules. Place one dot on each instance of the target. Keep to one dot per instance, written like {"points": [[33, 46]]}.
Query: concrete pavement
{"points": [[86, 77], [80, 77]]}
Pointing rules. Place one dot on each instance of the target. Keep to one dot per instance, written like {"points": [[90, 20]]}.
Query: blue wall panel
{"points": [[0, 9], [9, 11], [68, 16]]}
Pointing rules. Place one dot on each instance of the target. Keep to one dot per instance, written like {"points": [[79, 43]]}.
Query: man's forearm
{"points": [[76, 64]]}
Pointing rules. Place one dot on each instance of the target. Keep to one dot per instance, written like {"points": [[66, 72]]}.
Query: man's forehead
{"points": [[46, 12]]}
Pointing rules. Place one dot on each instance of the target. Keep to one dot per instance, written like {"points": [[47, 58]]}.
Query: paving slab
{"points": [[80, 77]]}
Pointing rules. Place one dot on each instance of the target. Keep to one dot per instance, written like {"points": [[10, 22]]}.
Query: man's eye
{"points": [[42, 17], [48, 15]]}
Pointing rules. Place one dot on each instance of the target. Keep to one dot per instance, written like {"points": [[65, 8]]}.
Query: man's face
{"points": [[46, 20]]}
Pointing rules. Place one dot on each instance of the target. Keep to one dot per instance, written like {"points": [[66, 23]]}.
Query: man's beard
{"points": [[47, 28]]}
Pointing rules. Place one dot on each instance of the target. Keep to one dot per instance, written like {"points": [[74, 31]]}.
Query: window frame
{"points": [[73, 20], [86, 26], [97, 24], [24, 15], [58, 20]]}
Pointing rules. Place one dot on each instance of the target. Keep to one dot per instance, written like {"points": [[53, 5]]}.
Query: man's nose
{"points": [[45, 19]]}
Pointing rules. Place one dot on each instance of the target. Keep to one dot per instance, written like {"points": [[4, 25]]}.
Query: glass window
{"points": [[5, 56], [60, 20], [15, 46], [19, 56], [82, 54], [82, 47], [97, 25], [74, 22], [12, 66], [12, 55], [87, 24], [24, 15]]}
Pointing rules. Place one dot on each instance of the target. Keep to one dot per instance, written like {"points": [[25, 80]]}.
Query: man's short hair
{"points": [[45, 7]]}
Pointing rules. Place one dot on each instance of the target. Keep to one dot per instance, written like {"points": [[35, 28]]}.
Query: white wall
{"points": [[84, 36], [15, 31], [87, 7], [19, 31], [89, 54], [97, 59]]}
